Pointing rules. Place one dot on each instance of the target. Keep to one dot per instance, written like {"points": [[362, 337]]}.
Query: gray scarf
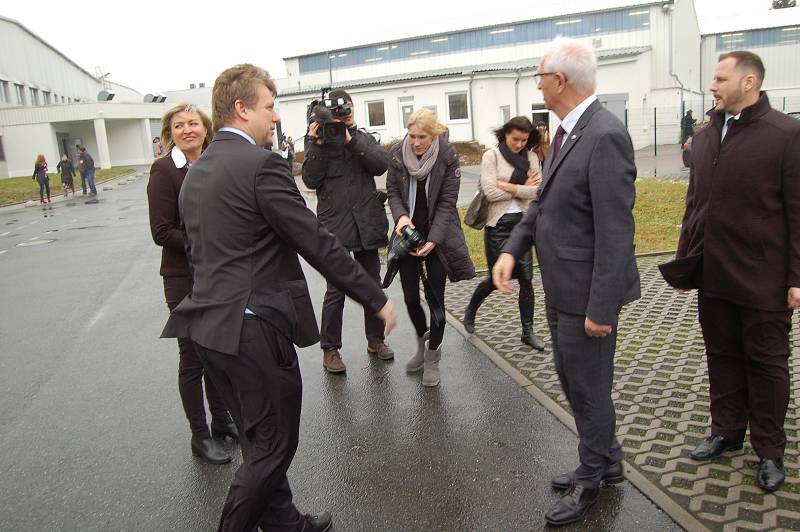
{"points": [[419, 168]]}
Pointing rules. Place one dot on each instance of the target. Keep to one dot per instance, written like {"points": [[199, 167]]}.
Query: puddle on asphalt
{"points": [[33, 243]]}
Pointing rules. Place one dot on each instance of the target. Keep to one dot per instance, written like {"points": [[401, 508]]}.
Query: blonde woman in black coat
{"points": [[423, 182]]}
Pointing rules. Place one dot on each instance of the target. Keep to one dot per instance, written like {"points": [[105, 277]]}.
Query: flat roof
{"points": [[523, 13], [758, 19], [510, 66]]}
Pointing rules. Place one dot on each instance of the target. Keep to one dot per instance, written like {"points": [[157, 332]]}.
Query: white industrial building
{"points": [[655, 61], [48, 104]]}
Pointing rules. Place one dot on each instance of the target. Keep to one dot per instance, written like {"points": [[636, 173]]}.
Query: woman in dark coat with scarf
{"points": [[510, 179], [186, 132], [41, 177], [423, 182]]}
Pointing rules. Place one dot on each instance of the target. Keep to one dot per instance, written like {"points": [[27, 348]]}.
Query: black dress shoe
{"points": [[318, 523], [469, 318], [573, 505], [529, 338], [770, 474], [208, 450], [613, 475], [220, 430], [713, 447]]}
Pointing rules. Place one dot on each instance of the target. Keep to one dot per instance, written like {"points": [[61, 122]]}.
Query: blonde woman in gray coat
{"points": [[510, 178]]}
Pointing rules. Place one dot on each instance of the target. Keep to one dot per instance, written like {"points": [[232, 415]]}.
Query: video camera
{"points": [[323, 112]]}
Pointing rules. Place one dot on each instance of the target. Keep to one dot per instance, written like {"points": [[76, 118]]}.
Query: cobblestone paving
{"points": [[661, 397]]}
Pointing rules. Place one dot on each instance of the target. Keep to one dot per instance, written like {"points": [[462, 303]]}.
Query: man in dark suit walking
{"points": [[582, 226], [245, 224], [740, 246]]}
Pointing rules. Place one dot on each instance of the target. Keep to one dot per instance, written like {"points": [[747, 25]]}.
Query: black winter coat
{"points": [[445, 224], [348, 203]]}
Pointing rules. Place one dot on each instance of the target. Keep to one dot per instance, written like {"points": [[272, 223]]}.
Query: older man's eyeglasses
{"points": [[538, 76]]}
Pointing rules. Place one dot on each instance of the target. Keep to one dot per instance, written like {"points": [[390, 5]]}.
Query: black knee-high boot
{"points": [[526, 304], [481, 292]]}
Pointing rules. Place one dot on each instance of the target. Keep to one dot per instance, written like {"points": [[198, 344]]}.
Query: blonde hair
{"points": [[426, 120], [166, 125], [239, 82], [39, 160]]}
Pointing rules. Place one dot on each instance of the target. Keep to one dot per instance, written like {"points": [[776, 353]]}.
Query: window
{"points": [[2, 153], [375, 114], [20, 93], [34, 96], [457, 106], [505, 113], [46, 96], [4, 92], [541, 30]]}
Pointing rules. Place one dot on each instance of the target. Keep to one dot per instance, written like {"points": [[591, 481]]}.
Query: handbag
{"points": [[478, 210]]}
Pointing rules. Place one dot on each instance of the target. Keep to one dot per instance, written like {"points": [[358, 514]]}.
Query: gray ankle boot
{"points": [[430, 373], [416, 362]]}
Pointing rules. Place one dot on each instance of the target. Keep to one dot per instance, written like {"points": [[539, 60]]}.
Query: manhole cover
{"points": [[34, 243]]}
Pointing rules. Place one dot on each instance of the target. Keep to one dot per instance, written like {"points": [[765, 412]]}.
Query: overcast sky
{"points": [[160, 46]]}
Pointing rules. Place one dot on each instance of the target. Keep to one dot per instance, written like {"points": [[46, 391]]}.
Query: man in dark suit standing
{"points": [[582, 225], [245, 223], [740, 246]]}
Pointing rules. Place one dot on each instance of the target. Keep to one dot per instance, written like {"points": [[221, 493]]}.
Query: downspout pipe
{"points": [[471, 108], [669, 12], [516, 91]]}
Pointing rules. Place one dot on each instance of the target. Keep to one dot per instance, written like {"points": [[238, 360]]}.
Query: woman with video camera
{"points": [[510, 178], [423, 182]]}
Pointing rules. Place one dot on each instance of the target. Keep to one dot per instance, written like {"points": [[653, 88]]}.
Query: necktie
{"points": [[728, 125], [558, 140]]}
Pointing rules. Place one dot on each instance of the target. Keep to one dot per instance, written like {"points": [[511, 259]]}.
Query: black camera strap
{"points": [[434, 305]]}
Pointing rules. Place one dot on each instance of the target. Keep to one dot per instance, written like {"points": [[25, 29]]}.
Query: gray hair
{"points": [[575, 60]]}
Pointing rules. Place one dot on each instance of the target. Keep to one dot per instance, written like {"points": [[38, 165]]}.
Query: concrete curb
{"points": [[648, 488]]}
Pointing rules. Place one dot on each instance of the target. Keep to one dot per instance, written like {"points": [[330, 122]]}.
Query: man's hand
{"points": [[423, 250], [501, 273], [682, 290], [595, 329], [389, 317], [312, 132], [401, 223], [347, 137], [793, 298]]}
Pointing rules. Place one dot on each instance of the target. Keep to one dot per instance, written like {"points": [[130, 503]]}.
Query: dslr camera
{"points": [[323, 112], [410, 239]]}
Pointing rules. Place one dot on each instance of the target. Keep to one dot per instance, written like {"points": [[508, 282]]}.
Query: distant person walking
{"points": [[40, 175], [687, 126], [544, 142], [186, 132], [67, 174], [86, 168], [158, 147]]}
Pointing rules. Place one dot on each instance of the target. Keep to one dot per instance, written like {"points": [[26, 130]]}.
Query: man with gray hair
{"points": [[582, 225]]}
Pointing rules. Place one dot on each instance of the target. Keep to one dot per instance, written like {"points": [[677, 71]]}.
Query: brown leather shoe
{"points": [[381, 349], [332, 361]]}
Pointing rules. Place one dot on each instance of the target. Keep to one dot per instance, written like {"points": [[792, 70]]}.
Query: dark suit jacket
{"points": [[743, 208], [245, 223], [582, 223]]}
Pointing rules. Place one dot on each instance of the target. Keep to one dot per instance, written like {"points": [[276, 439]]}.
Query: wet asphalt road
{"points": [[93, 437]]}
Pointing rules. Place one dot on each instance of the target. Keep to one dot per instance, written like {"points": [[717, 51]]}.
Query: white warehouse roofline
{"points": [[757, 20], [556, 10], [56, 50], [511, 66]]}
